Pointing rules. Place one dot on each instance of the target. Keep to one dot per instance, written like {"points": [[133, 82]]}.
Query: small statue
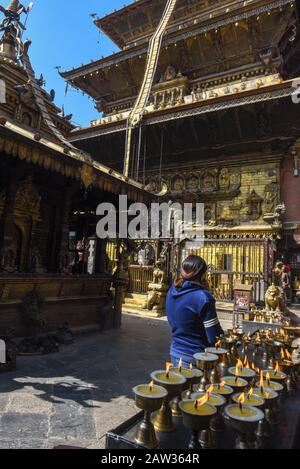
{"points": [[170, 73], [275, 300], [64, 335], [9, 262], [66, 261], [157, 290], [296, 284], [32, 309], [36, 261], [159, 275]]}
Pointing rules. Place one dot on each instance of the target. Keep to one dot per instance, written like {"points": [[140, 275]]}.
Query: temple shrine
{"points": [[198, 106]]}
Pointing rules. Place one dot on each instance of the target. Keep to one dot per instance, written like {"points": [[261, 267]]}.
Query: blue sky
{"points": [[62, 33]]}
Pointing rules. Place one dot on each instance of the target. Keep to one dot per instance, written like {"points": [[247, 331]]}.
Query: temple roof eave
{"points": [[276, 91], [171, 37], [10, 129]]}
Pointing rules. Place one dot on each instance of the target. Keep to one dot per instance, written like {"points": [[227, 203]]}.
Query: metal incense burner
{"points": [[149, 399], [173, 383], [206, 362]]}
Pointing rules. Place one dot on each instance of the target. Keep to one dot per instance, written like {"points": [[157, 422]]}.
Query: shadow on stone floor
{"points": [[96, 368]]}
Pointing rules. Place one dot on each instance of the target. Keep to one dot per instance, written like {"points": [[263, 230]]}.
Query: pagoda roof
{"points": [[134, 23], [104, 78]]}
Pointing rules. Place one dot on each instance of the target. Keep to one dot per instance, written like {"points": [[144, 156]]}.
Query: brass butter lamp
{"points": [[148, 398], [173, 383], [187, 387], [205, 362], [197, 417], [244, 420]]}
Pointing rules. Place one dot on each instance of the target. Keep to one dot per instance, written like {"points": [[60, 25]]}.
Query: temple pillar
{"points": [[64, 254], [8, 260], [120, 283]]}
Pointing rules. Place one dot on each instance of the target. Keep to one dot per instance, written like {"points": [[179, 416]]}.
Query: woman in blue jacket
{"points": [[191, 311]]}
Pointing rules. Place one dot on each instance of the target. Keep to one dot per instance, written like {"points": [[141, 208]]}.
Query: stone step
{"points": [[137, 296], [138, 311], [135, 300]]}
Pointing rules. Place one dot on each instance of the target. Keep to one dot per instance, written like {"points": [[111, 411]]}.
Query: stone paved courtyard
{"points": [[74, 397]]}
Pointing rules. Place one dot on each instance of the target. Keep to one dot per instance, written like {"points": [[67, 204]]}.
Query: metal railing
{"points": [[222, 284], [139, 278]]}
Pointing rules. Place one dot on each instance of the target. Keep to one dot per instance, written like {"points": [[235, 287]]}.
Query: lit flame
{"points": [[202, 401], [276, 368], [288, 354], [282, 354], [250, 392], [168, 368], [191, 366], [151, 386], [180, 365], [239, 366], [246, 362], [261, 382], [210, 390], [218, 344], [221, 385], [268, 378], [241, 400]]}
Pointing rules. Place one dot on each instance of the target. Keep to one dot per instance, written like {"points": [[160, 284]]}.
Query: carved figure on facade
{"points": [[192, 183], [151, 186], [235, 180], [270, 198], [224, 179], [178, 184], [9, 261], [208, 181], [170, 73], [28, 200]]}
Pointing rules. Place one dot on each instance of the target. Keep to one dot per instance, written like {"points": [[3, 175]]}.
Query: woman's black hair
{"points": [[193, 268]]}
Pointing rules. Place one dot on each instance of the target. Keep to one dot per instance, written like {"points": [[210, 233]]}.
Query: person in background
{"points": [[191, 312]]}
